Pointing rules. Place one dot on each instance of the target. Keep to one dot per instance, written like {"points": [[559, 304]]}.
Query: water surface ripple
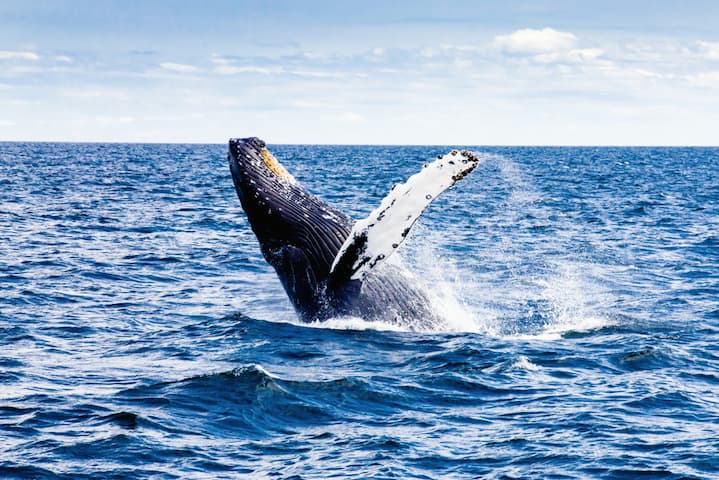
{"points": [[142, 335]]}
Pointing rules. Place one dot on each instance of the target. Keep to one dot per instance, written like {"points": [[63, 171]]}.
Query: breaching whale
{"points": [[329, 265]]}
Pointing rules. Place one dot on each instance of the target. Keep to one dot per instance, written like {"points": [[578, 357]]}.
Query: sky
{"points": [[515, 72]]}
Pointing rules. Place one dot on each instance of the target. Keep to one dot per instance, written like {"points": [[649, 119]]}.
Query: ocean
{"points": [[142, 334]]}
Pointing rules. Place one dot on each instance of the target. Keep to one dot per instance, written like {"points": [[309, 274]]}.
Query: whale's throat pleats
{"points": [[284, 215]]}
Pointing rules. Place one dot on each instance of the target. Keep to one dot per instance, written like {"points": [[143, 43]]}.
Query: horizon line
{"points": [[554, 145]]}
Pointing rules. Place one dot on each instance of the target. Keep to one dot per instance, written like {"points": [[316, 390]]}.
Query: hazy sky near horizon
{"points": [[536, 72]]}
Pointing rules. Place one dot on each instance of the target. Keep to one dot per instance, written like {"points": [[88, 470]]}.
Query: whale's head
{"points": [[299, 234]]}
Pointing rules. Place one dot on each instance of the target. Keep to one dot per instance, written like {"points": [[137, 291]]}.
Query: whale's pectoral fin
{"points": [[373, 239]]}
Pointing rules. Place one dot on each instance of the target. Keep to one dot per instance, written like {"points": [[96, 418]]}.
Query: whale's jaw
{"points": [[298, 233]]}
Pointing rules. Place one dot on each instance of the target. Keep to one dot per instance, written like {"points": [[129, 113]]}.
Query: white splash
{"points": [[533, 297], [356, 323]]}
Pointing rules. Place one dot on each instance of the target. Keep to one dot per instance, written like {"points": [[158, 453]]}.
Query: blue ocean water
{"points": [[142, 335]]}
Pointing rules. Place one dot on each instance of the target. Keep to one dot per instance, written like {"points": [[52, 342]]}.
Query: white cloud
{"points": [[317, 74], [22, 69], [630, 73], [179, 67], [14, 55], [535, 41], [351, 117], [309, 104], [62, 58], [314, 55], [642, 73], [428, 52], [461, 48], [172, 118], [218, 60], [6, 123], [92, 93], [225, 66], [710, 50], [578, 55], [114, 120], [706, 79], [226, 69]]}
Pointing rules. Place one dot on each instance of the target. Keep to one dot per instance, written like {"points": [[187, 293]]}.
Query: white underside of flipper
{"points": [[373, 239]]}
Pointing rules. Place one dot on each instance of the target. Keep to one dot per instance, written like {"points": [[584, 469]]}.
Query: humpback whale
{"points": [[329, 265]]}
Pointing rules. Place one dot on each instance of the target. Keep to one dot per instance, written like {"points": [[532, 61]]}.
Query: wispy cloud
{"points": [[18, 55], [577, 55], [179, 67], [93, 93], [226, 69], [6, 123], [299, 65], [318, 74], [351, 117], [531, 41], [705, 79], [25, 69], [709, 50], [114, 120]]}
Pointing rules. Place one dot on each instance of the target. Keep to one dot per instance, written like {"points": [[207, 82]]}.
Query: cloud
{"points": [[179, 67], [310, 104], [302, 68], [351, 117], [225, 69], [531, 41], [93, 93], [113, 120], [6, 123], [14, 55], [578, 55], [219, 60], [631, 73], [428, 52], [226, 66], [710, 50], [317, 74], [705, 79], [23, 69]]}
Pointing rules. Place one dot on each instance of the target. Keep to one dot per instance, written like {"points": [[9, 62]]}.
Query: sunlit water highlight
{"points": [[143, 335]]}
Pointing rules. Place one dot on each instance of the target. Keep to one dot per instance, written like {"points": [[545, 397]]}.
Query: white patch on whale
{"points": [[376, 237]]}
